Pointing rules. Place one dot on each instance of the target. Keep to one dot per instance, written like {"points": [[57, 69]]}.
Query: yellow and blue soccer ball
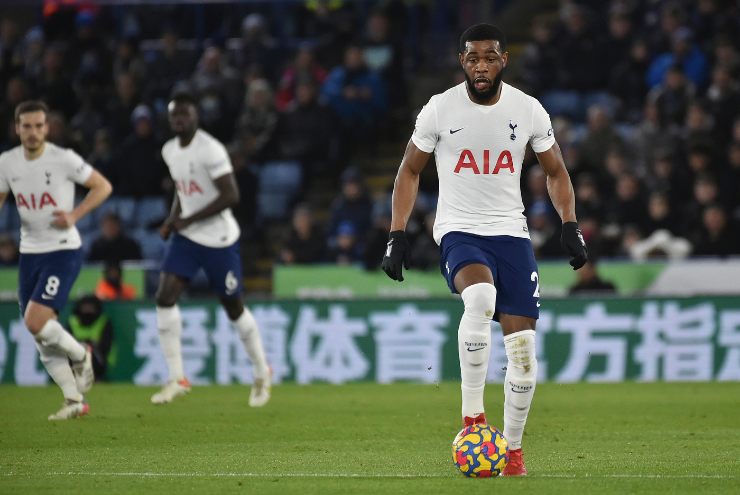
{"points": [[480, 451]]}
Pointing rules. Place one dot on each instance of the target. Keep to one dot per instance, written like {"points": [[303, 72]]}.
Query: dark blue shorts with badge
{"points": [[47, 278], [511, 261], [222, 266]]}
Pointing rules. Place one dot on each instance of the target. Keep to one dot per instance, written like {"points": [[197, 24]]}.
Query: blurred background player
{"points": [[42, 178], [204, 235], [479, 131]]}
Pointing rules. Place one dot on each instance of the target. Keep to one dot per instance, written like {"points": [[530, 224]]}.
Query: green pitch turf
{"points": [[367, 438]]}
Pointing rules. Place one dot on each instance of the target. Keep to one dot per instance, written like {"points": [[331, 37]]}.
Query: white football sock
{"points": [[250, 337], [169, 325], [57, 365], [54, 335], [474, 345], [519, 384]]}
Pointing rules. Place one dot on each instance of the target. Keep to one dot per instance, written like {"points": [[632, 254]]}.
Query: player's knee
{"points": [[165, 299], [233, 307], [35, 322], [480, 300], [474, 336], [31, 324]]}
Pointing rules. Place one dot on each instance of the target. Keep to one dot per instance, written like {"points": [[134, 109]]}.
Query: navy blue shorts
{"points": [[512, 264], [222, 266], [47, 278]]}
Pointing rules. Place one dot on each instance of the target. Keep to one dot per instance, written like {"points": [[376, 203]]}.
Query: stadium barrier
{"points": [[134, 275], [657, 278], [595, 340]]}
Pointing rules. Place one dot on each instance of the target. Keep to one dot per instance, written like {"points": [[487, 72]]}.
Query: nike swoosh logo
{"points": [[549, 132], [519, 391], [473, 350], [46, 296], [456, 130]]}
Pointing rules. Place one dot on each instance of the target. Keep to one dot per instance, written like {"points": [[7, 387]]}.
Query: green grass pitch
{"points": [[368, 438]]}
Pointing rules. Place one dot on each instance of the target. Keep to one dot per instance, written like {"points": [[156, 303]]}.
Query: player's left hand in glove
{"points": [[396, 255], [573, 244]]}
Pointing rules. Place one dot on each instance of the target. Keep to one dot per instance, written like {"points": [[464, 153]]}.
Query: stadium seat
{"points": [[124, 207], [5, 219], [152, 245], [150, 211], [87, 241], [9, 220], [87, 225], [279, 183], [273, 205], [281, 176]]}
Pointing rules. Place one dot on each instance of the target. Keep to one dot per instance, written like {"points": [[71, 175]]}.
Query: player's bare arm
{"points": [[560, 189], [558, 183], [3, 197], [228, 196], [99, 190], [406, 185], [166, 229], [405, 189]]}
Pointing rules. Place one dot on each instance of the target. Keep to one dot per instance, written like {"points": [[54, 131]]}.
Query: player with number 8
{"points": [[42, 178]]}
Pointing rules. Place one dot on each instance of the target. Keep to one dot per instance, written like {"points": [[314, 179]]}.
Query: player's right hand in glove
{"points": [[396, 255], [573, 244]]}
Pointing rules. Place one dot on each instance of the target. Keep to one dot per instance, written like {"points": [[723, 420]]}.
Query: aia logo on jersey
{"points": [[188, 187], [467, 160], [33, 202]]}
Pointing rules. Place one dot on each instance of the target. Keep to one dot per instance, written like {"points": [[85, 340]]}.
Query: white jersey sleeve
{"points": [[426, 132], [78, 170], [542, 138], [217, 161]]}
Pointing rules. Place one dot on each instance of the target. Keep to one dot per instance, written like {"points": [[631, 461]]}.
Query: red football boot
{"points": [[478, 420], [516, 466]]}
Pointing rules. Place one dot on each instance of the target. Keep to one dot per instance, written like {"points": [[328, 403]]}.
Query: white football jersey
{"points": [[479, 151], [194, 169], [40, 187]]}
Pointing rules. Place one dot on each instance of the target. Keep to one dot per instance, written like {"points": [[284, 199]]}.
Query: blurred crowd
{"points": [[287, 109], [644, 98], [645, 103]]}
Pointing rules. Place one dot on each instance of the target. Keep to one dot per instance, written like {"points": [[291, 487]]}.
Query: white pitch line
{"points": [[357, 475]]}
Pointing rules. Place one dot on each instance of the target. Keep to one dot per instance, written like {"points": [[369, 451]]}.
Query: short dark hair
{"points": [[29, 106], [481, 32], [183, 98], [113, 216]]}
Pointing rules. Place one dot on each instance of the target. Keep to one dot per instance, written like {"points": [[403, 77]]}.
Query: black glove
{"points": [[573, 244], [396, 254]]}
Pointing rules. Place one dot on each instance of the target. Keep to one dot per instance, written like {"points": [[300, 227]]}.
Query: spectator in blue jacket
{"points": [[352, 206], [354, 92], [684, 54]]}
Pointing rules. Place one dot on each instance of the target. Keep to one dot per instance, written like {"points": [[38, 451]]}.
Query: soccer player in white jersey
{"points": [[479, 131], [204, 235], [42, 178]]}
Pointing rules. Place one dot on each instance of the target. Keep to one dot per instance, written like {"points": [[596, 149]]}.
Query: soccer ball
{"points": [[480, 451]]}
